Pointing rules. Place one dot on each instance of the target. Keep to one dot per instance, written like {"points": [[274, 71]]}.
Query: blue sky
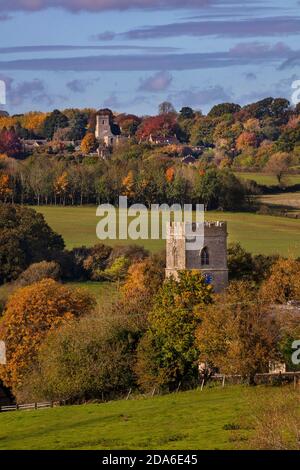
{"points": [[130, 55]]}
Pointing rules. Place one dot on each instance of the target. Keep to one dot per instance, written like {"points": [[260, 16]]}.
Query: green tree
{"points": [[168, 354], [25, 238], [56, 120]]}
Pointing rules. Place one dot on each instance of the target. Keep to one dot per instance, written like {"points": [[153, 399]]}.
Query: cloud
{"points": [[156, 83], [251, 27], [251, 76], [241, 54], [32, 90], [80, 86], [196, 97], [66, 47], [99, 5], [5, 17]]}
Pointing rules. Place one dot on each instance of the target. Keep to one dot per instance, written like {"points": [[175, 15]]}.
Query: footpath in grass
{"points": [[260, 234], [187, 420]]}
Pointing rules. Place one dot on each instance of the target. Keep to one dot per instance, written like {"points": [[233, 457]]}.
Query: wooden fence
{"points": [[30, 406]]}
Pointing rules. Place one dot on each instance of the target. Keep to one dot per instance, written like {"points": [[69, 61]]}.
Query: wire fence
{"points": [[223, 380]]}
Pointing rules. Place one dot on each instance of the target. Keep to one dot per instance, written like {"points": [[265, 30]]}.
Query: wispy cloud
{"points": [[156, 83], [5, 17], [101, 5], [67, 47], [242, 54], [80, 86], [250, 27]]}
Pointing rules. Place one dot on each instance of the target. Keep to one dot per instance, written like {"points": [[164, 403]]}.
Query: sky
{"points": [[130, 55]]}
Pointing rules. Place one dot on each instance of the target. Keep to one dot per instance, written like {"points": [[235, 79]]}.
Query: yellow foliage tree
{"points": [[89, 143], [31, 313], [61, 185], [128, 185], [283, 283]]}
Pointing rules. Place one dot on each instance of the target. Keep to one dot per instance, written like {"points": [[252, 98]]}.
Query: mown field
{"points": [[257, 233], [188, 420]]}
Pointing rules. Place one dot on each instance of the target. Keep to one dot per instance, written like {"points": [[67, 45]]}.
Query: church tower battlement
{"points": [[209, 255]]}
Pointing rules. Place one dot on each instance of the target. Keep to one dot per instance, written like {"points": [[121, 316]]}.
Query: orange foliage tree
{"points": [[170, 174], [5, 189], [31, 313]]}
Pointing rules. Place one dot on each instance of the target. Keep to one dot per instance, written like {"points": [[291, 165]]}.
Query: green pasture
{"points": [[257, 233], [215, 418]]}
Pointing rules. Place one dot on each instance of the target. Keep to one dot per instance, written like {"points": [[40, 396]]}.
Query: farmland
{"points": [[257, 233]]}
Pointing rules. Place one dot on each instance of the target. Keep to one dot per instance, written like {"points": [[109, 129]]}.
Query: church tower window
{"points": [[204, 256]]}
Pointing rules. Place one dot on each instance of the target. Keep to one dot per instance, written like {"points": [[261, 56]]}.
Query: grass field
{"points": [[257, 233], [268, 180], [188, 420], [104, 292]]}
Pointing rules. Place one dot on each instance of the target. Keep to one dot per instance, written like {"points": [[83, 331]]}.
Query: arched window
{"points": [[204, 256]]}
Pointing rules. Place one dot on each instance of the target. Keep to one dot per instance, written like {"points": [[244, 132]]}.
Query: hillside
{"points": [[187, 420]]}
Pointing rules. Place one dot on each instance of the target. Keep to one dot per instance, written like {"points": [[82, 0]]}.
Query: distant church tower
{"points": [[103, 131], [209, 255]]}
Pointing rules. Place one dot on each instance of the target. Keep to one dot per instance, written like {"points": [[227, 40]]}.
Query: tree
{"points": [[186, 113], [10, 143], [166, 108], [164, 125], [278, 164], [25, 238], [168, 354], [54, 121], [245, 140], [37, 272], [30, 314], [89, 143], [283, 284], [238, 334], [224, 108], [5, 189], [96, 261]]}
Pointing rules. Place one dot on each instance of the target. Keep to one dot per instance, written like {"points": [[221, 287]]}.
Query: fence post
{"points": [[128, 395], [223, 381], [177, 389], [202, 385], [153, 391]]}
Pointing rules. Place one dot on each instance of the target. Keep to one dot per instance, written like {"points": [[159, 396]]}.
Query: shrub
{"points": [[87, 359], [30, 314], [39, 271]]}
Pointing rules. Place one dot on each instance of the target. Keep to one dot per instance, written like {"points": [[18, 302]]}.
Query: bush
{"points": [[39, 271], [30, 314], [88, 359]]}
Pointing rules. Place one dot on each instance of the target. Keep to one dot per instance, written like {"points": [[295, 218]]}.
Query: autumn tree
{"points": [[245, 140], [5, 189], [168, 354], [283, 284], [30, 314], [10, 144], [238, 334], [278, 165], [89, 143]]}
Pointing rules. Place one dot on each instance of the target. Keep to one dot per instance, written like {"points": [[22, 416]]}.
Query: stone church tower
{"points": [[103, 131], [209, 255]]}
